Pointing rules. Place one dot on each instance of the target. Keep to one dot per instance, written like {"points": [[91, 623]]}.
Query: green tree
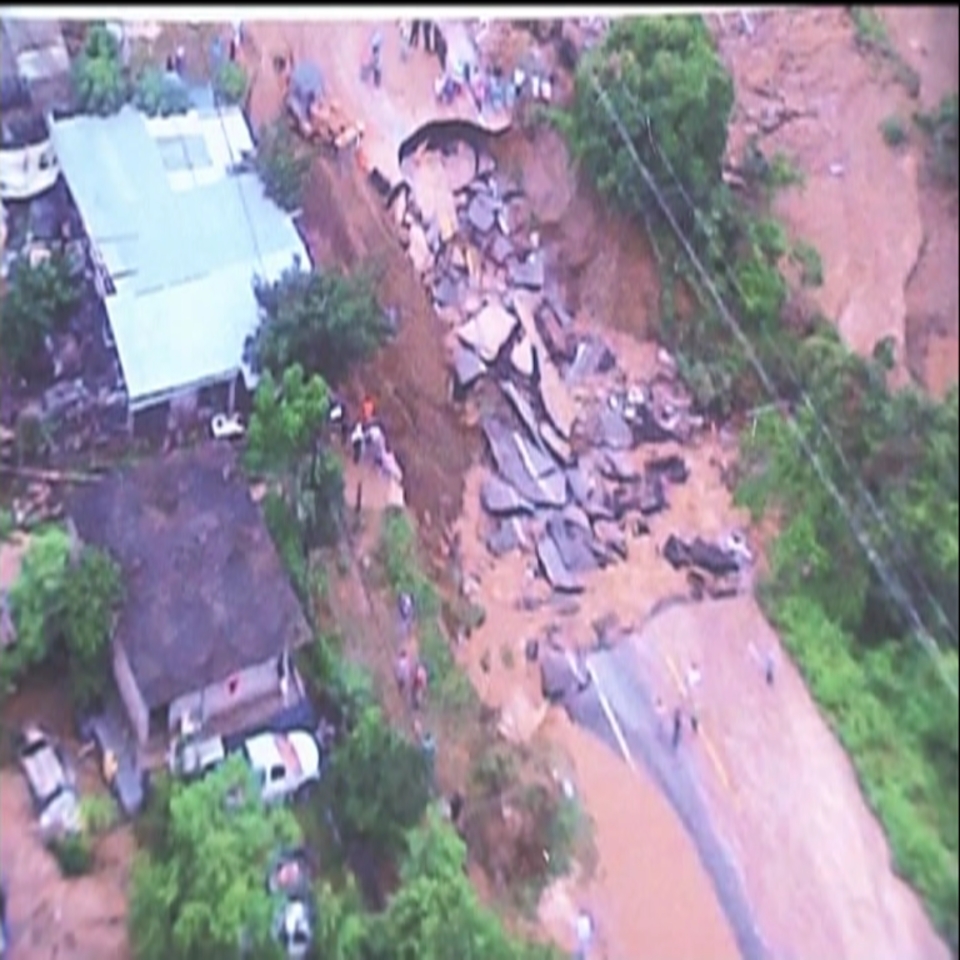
{"points": [[666, 83], [158, 94], [99, 83], [230, 83], [327, 321], [287, 417], [203, 893], [283, 163], [436, 914], [35, 602], [379, 784], [37, 301], [92, 592]]}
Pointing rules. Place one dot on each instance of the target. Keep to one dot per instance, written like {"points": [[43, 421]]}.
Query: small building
{"points": [[209, 621], [178, 227]]}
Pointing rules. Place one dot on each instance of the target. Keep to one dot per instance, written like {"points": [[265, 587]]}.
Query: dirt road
{"points": [[79, 919]]}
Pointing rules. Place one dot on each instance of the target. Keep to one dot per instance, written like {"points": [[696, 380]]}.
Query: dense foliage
{"points": [[434, 915], [37, 301], [893, 457], [160, 94], [202, 891], [380, 783], [63, 609], [99, 81], [230, 83], [325, 321], [285, 441], [283, 163]]}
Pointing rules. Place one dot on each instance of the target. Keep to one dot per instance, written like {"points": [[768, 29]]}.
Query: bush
{"points": [[37, 301], [230, 83], [160, 94], [325, 321], [99, 83], [74, 854], [894, 131], [941, 127], [807, 257], [283, 163]]}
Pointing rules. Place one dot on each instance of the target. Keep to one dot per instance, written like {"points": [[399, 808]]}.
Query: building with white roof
{"points": [[179, 227]]}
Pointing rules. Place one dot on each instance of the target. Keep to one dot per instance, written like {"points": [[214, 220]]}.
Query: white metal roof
{"points": [[181, 236]]}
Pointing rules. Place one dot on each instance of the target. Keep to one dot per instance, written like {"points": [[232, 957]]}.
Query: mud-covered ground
{"points": [[887, 233]]}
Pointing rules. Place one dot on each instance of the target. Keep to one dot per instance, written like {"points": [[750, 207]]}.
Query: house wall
{"points": [[251, 684], [137, 709]]}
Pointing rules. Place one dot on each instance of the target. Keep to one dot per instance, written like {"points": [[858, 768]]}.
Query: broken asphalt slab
{"points": [[489, 331], [527, 468], [522, 408], [500, 499], [527, 273], [467, 367], [553, 568]]}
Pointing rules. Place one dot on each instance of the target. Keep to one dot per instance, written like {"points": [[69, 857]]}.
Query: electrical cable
{"points": [[891, 583], [860, 488]]}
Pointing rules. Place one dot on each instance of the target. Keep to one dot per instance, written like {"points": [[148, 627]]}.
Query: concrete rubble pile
{"points": [[565, 489]]}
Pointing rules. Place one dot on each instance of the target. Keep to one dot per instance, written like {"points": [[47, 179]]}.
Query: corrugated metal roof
{"points": [[182, 257]]}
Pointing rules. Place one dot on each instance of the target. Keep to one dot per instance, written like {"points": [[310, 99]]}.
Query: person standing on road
{"points": [[356, 440], [584, 934], [693, 682], [401, 670], [769, 667], [419, 685], [677, 727]]}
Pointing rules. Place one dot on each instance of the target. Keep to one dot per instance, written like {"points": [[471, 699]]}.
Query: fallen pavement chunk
{"points": [[523, 357], [532, 473], [560, 675], [672, 468], [612, 538], [557, 403], [500, 250], [676, 552], [713, 559], [553, 568], [574, 545], [653, 498], [613, 431], [467, 367], [488, 331], [528, 273], [592, 357], [446, 291], [647, 428], [506, 537], [616, 465], [500, 499], [523, 410], [482, 212], [556, 444]]}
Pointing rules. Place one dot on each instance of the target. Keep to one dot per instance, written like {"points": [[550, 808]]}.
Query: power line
{"points": [[861, 489], [894, 588]]}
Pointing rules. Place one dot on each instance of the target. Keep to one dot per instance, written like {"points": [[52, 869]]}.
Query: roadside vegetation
{"points": [[62, 606], [892, 456]]}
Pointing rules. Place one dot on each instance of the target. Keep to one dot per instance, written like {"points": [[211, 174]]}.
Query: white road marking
{"points": [[609, 714]]}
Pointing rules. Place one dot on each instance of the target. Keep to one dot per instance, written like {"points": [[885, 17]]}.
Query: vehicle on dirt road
{"points": [[224, 426], [285, 763], [51, 782]]}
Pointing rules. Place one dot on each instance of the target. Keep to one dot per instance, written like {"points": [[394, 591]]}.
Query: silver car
{"points": [[51, 782]]}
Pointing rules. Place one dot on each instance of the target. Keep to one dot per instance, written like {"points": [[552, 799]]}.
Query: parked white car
{"points": [[284, 763], [227, 426], [51, 783]]}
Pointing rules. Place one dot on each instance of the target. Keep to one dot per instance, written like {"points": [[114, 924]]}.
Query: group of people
{"points": [[688, 707], [412, 678], [366, 437]]}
